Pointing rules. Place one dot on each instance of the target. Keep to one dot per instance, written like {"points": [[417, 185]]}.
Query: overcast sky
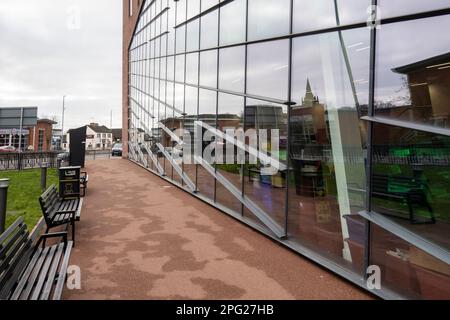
{"points": [[51, 48]]}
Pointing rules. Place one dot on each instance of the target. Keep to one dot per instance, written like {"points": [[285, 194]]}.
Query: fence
{"points": [[98, 154], [27, 160]]}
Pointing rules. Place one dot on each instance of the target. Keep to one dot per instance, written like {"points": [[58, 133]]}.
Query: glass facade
{"points": [[304, 120]]}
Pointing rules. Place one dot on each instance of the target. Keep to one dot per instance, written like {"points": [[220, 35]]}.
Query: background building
{"points": [[37, 139], [362, 115], [97, 138]]}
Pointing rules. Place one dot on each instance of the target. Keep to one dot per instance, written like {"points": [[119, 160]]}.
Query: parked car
{"points": [[64, 156], [116, 150], [8, 149]]}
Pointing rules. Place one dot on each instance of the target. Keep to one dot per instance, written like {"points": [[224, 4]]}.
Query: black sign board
{"points": [[77, 147]]}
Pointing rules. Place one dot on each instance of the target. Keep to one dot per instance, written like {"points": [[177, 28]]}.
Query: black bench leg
{"points": [[73, 232]]}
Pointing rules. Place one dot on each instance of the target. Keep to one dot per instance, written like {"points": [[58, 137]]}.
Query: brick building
{"points": [[41, 135]]}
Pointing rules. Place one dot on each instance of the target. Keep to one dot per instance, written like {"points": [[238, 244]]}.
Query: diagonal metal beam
{"points": [[177, 168], [254, 152], [265, 218], [155, 160]]}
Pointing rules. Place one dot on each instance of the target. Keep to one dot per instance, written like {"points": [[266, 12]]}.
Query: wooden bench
{"points": [[58, 211], [84, 179], [404, 189], [29, 271]]}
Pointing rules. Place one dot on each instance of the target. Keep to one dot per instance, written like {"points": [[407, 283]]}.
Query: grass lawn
{"points": [[23, 194]]}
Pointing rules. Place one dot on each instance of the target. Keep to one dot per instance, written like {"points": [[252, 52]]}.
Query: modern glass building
{"points": [[358, 92]]}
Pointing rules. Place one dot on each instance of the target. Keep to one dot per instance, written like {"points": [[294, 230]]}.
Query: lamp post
{"points": [[62, 120]]}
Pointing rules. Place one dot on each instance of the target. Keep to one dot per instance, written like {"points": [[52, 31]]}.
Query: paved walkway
{"points": [[141, 238]]}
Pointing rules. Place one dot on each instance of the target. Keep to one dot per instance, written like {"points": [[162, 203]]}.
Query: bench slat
{"points": [[63, 272], [21, 234], [15, 250], [36, 270], [43, 274], [14, 271], [23, 281], [52, 273], [5, 235]]}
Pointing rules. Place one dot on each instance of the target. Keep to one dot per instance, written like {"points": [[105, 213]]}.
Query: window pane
{"points": [[325, 13], [268, 69], [179, 76], [193, 29], [210, 25], [208, 68], [193, 8], [232, 22], [327, 144], [265, 187], [413, 72], [232, 69], [268, 18], [181, 11], [207, 114], [190, 110], [181, 39], [230, 119], [390, 8], [206, 4], [411, 180], [192, 68], [407, 269]]}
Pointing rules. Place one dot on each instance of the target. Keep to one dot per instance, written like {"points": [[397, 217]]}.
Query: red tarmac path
{"points": [[142, 238]]}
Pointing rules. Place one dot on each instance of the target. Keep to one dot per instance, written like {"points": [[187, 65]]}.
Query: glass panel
{"points": [[171, 24], [210, 25], [316, 15], [232, 69], [411, 180], [206, 4], [193, 8], [207, 114], [327, 145], [179, 76], [413, 72], [268, 18], [181, 39], [268, 69], [407, 269], [267, 188], [193, 29], [208, 68], [181, 11], [191, 103], [192, 68], [391, 8], [170, 68], [230, 119], [232, 22]]}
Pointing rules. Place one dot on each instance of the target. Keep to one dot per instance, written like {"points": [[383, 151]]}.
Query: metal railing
{"points": [[27, 160]]}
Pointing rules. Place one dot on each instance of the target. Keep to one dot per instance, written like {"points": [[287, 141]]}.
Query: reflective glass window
{"points": [[413, 72], [232, 69], [267, 73]]}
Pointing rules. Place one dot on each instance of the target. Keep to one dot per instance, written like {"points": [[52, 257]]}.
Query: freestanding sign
{"points": [[13, 118]]}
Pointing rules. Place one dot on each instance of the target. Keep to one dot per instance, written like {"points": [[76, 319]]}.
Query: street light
{"points": [[62, 120]]}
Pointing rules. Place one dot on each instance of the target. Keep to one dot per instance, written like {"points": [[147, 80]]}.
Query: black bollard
{"points": [[4, 184], [44, 167]]}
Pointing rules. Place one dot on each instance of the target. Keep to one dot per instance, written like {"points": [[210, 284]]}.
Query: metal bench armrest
{"points": [[46, 236]]}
